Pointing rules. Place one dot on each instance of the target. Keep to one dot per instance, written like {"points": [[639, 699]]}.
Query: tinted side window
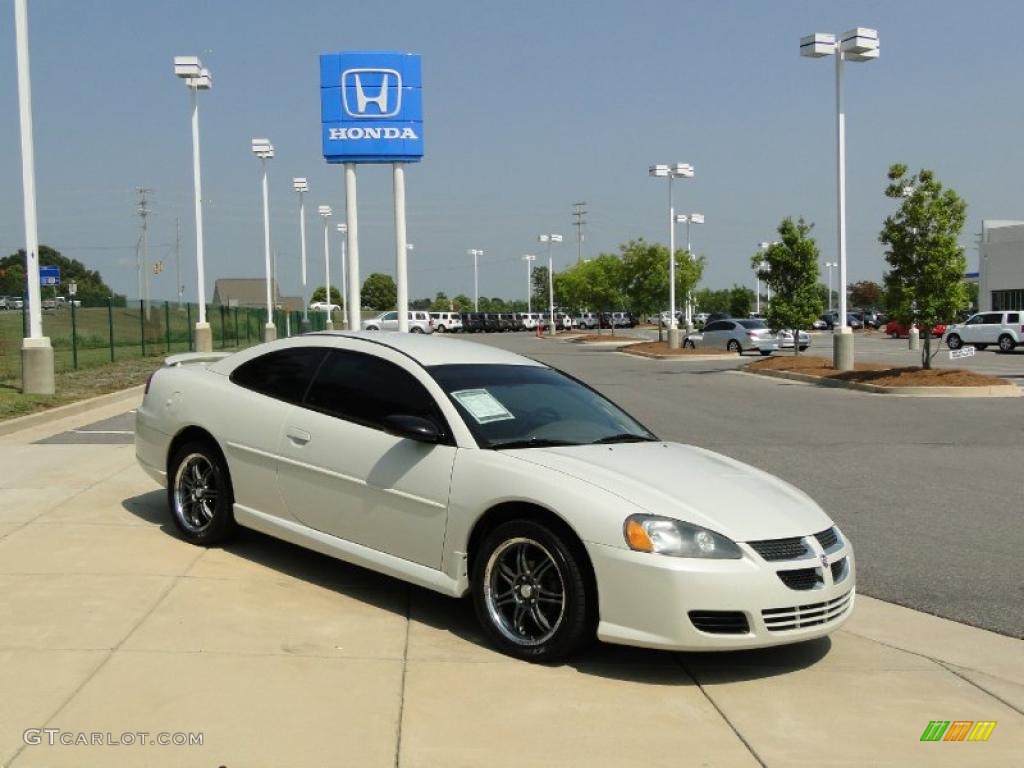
{"points": [[284, 374], [1012, 317], [366, 389]]}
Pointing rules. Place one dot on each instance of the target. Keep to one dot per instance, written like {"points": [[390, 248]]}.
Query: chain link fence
{"points": [[89, 336]]}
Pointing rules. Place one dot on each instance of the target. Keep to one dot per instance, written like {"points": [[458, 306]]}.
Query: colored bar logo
{"points": [[958, 730]]}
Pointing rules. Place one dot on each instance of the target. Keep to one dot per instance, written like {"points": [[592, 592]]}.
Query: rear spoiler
{"points": [[188, 358]]}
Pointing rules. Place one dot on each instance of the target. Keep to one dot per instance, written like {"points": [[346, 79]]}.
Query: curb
{"points": [[616, 344], [996, 390], [694, 357], [61, 411]]}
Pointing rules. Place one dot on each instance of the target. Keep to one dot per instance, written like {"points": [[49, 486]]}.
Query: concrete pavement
{"points": [[111, 624]]}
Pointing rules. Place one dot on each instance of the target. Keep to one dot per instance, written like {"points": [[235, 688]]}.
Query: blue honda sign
{"points": [[371, 107], [49, 275]]}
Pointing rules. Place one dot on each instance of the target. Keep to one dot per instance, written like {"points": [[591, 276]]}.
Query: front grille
{"points": [[800, 616], [801, 578], [839, 570], [720, 622], [827, 539], [780, 549]]}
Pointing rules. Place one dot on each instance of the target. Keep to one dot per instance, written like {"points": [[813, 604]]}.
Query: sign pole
{"points": [[352, 220], [401, 252]]}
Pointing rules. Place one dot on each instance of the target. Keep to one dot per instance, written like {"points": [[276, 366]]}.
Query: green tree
{"points": [[463, 303], [441, 302], [645, 276], [866, 294], [320, 293], [380, 292], [708, 300], [90, 285], [924, 284], [790, 268], [539, 283], [741, 300]]}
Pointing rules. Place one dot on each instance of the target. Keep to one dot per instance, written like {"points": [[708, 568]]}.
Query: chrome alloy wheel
{"points": [[524, 592], [195, 492]]}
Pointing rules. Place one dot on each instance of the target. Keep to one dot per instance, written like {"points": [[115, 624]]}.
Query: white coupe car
{"points": [[467, 469]]}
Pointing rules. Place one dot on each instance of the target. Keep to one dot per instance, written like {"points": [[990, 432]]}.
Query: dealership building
{"points": [[1001, 265]]}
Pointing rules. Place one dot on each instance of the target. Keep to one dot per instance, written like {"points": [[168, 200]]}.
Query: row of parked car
{"points": [[497, 322]]}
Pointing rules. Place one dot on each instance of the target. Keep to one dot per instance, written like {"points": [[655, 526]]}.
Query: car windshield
{"points": [[527, 406], [753, 324]]}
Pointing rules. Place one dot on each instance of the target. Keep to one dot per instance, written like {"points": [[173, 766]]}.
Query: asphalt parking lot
{"points": [[109, 623]]}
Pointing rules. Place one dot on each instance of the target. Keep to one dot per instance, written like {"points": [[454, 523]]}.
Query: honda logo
{"points": [[372, 99]]}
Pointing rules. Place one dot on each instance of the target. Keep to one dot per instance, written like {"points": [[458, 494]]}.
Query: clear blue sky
{"points": [[530, 106]]}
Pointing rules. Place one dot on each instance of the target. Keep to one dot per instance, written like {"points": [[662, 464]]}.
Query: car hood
{"points": [[690, 484]]}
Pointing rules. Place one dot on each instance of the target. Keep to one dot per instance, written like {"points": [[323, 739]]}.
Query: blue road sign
{"points": [[49, 275], [371, 107]]}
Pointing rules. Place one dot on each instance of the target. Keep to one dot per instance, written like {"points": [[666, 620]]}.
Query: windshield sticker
{"points": [[482, 405]]}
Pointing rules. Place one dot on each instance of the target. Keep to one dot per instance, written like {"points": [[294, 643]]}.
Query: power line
{"points": [[579, 211]]}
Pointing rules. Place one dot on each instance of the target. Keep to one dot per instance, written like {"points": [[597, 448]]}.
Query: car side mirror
{"points": [[413, 427]]}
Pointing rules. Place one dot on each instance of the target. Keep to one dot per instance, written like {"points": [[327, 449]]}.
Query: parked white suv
{"points": [[419, 322], [1002, 328], [446, 322]]}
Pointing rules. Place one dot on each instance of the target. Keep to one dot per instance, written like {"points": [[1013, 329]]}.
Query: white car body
{"points": [[446, 322], [409, 509], [419, 322], [323, 306], [785, 338], [1002, 328]]}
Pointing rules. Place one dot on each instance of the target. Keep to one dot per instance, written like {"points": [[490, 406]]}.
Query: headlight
{"points": [[665, 536]]}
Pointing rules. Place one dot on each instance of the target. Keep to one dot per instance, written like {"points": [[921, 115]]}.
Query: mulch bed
{"points": [[662, 348], [877, 373]]}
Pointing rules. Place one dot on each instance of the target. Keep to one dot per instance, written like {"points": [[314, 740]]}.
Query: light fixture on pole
{"points": [[475, 253], [343, 230], [197, 78], [36, 350], [302, 186], [829, 265], [529, 259], [264, 150], [672, 172], [325, 214], [764, 266], [549, 239], [688, 219], [859, 44]]}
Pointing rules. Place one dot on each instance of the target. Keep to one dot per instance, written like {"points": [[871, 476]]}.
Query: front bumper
{"points": [[647, 600]]}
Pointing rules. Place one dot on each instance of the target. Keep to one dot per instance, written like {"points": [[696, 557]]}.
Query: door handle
{"points": [[298, 436]]}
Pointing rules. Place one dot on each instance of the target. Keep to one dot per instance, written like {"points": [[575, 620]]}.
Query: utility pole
{"points": [[177, 261], [144, 212], [578, 213]]}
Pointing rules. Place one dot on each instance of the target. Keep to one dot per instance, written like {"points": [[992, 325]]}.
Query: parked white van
{"points": [[446, 322]]}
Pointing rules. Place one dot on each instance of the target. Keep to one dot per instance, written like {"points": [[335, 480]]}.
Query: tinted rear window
{"points": [[752, 323], [284, 374]]}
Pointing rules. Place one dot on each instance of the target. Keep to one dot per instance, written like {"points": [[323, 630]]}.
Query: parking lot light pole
{"points": [[529, 259], [689, 218], [197, 78], [325, 214], [264, 150], [36, 350], [549, 239], [829, 266], [763, 266], [672, 172], [858, 45], [476, 253], [342, 228], [302, 186]]}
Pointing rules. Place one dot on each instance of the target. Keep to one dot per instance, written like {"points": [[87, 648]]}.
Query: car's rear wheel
{"points": [[416, 329], [803, 347], [530, 592], [1006, 343], [688, 344], [372, 328], [200, 495], [734, 346], [441, 329], [953, 341]]}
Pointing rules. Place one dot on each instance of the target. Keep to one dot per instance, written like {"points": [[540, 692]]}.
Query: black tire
{"points": [[441, 329], [1006, 343], [734, 346], [519, 632], [981, 347], [688, 344], [415, 329], [372, 328], [803, 348], [953, 341], [765, 352], [198, 467]]}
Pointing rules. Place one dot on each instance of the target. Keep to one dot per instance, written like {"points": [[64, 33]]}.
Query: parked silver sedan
{"points": [[785, 337], [735, 335]]}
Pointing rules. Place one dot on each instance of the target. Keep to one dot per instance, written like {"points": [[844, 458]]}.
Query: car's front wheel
{"points": [[372, 328], [953, 341], [200, 495], [530, 592], [688, 344]]}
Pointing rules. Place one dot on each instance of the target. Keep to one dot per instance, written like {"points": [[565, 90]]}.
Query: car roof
{"points": [[426, 349]]}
